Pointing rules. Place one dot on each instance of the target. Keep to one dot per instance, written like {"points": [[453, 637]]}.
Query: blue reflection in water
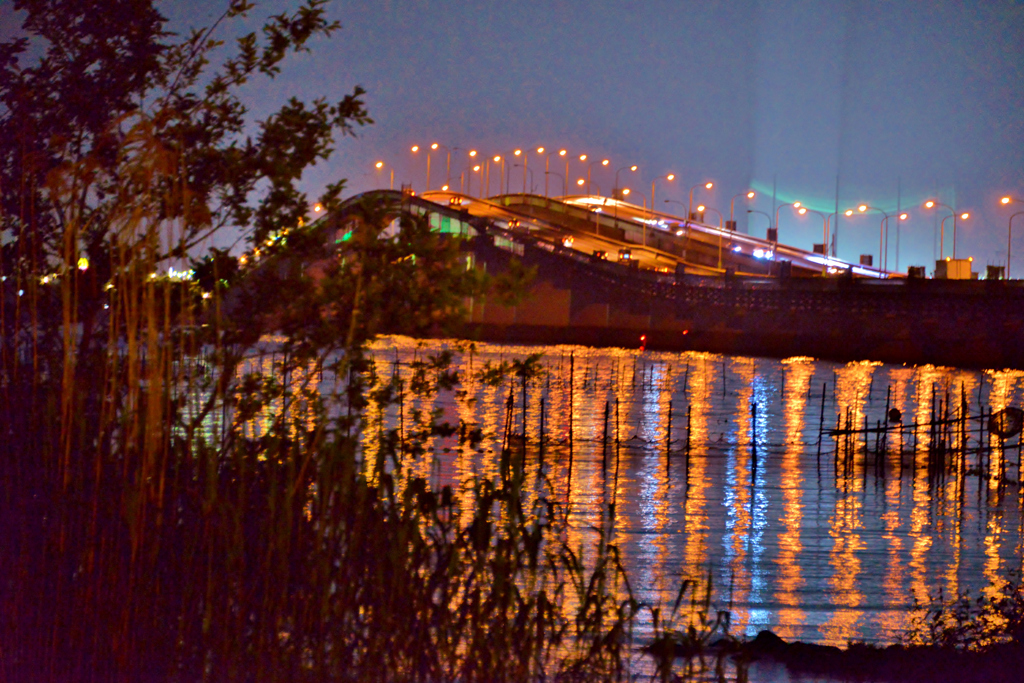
{"points": [[826, 547]]}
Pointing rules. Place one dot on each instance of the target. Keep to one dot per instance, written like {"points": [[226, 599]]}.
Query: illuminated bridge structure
{"points": [[613, 274]]}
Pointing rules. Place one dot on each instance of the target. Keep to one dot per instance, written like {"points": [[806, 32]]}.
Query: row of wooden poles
{"points": [[950, 432]]}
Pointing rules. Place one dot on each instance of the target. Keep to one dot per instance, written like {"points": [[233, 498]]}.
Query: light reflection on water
{"points": [[796, 537], [791, 545]]}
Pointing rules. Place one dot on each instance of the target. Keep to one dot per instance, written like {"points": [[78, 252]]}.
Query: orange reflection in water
{"points": [[702, 374], [790, 577], [737, 489]]}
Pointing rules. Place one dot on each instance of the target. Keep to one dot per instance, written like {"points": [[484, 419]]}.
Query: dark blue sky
{"points": [[903, 100]]}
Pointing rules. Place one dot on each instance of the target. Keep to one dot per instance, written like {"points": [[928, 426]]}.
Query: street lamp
{"points": [[516, 152], [824, 226], [547, 171], [703, 208], [766, 215], [603, 162], [379, 165], [883, 224], [415, 150], [448, 164], [689, 206], [624, 168], [795, 205], [1009, 231], [670, 177], [562, 177], [748, 195], [469, 182], [525, 171], [942, 226], [581, 182]]}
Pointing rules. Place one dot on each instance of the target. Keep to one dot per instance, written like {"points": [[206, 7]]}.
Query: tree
{"points": [[121, 150]]}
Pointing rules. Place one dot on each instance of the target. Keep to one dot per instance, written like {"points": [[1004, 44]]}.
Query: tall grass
{"points": [[152, 533]]}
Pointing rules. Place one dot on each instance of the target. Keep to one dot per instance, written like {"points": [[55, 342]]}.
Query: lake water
{"points": [[802, 533]]}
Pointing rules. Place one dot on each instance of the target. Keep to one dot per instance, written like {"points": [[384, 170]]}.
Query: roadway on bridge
{"points": [[653, 240]]}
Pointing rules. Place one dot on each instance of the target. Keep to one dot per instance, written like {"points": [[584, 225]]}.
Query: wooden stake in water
{"points": [[689, 408], [668, 443], [541, 452], [568, 481], [604, 439]]}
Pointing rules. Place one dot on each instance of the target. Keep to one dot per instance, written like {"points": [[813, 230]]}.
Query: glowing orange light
{"points": [[444, 188], [929, 204], [540, 150], [670, 176], [580, 182], [476, 168], [317, 208], [700, 208], [965, 215], [604, 163], [709, 185], [750, 195], [379, 164], [472, 152], [583, 157], [433, 146], [561, 152], [625, 192], [849, 212], [497, 158], [802, 211], [518, 152], [633, 167], [1005, 200], [862, 208], [903, 216], [796, 205], [415, 148]]}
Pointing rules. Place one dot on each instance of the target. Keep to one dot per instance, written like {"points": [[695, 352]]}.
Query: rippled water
{"points": [[817, 542]]}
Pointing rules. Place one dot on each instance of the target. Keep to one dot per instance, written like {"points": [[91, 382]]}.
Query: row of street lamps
{"points": [[499, 159]]}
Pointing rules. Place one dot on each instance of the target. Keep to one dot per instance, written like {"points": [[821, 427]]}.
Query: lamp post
{"points": [[748, 195], [448, 164], [766, 215], [469, 181], [885, 222], [516, 153], [475, 168], [547, 170], [689, 206], [795, 205], [603, 162], [942, 226], [379, 165], [415, 150], [720, 230], [525, 171], [881, 228], [617, 172], [669, 177], [547, 173], [824, 226], [1009, 231]]}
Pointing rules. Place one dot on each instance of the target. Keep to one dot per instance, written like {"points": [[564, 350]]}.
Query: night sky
{"points": [[902, 100]]}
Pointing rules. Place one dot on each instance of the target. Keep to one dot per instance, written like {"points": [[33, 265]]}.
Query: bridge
{"points": [[609, 274], [618, 230]]}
